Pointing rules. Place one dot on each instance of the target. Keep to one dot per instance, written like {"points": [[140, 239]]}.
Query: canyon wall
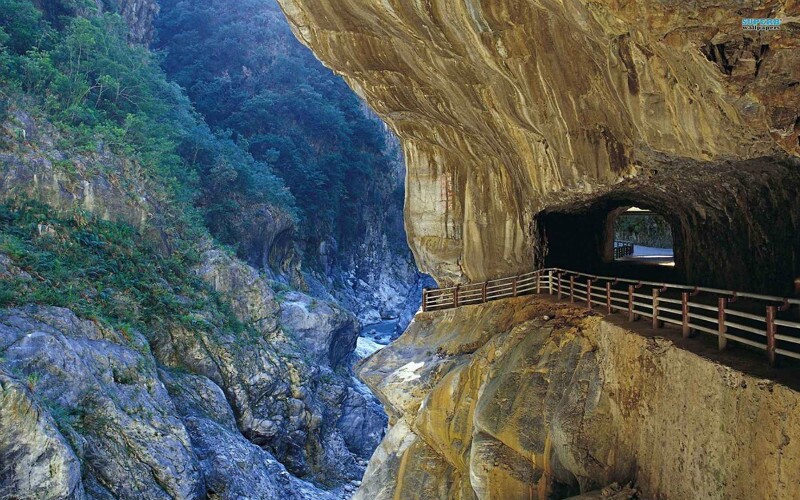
{"points": [[525, 124], [510, 108], [526, 399], [89, 409]]}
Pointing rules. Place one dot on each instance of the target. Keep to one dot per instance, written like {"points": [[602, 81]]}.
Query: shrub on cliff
{"points": [[98, 88], [103, 270]]}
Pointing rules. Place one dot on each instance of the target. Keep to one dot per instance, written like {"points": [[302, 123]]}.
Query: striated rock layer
{"points": [[512, 107], [527, 399]]}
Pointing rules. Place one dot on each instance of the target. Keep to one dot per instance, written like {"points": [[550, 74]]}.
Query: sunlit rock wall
{"points": [[509, 107], [523, 400]]}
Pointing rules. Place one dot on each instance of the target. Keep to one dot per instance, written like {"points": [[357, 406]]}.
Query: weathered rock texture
{"points": [[511, 107], [496, 402], [139, 15], [90, 411]]}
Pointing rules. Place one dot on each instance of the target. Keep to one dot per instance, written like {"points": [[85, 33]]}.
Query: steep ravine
{"points": [[94, 411]]}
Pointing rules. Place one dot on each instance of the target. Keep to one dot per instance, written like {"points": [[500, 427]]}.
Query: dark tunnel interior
{"points": [[735, 226], [584, 241]]}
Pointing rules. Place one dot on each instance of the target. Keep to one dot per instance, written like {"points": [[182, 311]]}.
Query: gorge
{"points": [[525, 124], [197, 219]]}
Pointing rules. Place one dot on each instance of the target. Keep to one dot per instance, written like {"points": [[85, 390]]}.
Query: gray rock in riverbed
{"points": [[325, 330], [85, 413]]}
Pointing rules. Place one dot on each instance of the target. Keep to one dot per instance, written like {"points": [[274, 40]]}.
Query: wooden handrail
{"points": [[762, 329]]}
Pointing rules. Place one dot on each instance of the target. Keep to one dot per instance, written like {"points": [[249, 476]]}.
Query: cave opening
{"points": [[614, 236]]}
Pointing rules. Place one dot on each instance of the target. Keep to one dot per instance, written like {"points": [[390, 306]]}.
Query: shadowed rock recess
{"points": [[510, 109], [526, 126]]}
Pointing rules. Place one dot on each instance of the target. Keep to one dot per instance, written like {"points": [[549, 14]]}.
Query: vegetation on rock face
{"points": [[103, 270], [247, 74], [99, 89], [275, 131], [647, 230]]}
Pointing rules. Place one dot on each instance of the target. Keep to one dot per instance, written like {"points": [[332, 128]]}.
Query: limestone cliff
{"points": [[527, 399], [512, 109]]}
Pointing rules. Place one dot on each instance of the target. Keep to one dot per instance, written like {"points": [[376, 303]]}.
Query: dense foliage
{"points": [[246, 73], [647, 230], [103, 270], [100, 89]]}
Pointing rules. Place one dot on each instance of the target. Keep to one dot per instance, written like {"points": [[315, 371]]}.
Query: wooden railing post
{"points": [[685, 314], [655, 308], [559, 286], [772, 312], [631, 316], [572, 289], [589, 293], [722, 329], [436, 300]]}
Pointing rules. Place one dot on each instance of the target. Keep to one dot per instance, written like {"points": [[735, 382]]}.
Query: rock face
{"points": [[175, 409], [511, 110], [34, 167], [36, 460], [139, 15], [290, 388], [90, 412], [326, 332], [496, 402], [113, 410]]}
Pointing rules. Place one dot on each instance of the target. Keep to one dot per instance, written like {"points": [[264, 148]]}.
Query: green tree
{"points": [[247, 74]]}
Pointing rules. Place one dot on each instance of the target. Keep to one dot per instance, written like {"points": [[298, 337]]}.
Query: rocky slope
{"points": [[93, 411], [512, 111], [87, 413], [526, 399]]}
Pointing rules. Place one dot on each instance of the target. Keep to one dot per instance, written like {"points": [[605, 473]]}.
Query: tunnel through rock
{"points": [[734, 225], [639, 236], [583, 239]]}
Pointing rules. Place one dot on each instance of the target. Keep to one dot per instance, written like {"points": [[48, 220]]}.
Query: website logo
{"points": [[761, 23]]}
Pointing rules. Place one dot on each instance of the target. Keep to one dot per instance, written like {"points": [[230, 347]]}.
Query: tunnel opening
{"points": [[734, 226], [642, 237], [614, 236]]}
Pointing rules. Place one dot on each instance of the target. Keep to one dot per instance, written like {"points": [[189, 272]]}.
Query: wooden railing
{"points": [[623, 249], [764, 322]]}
